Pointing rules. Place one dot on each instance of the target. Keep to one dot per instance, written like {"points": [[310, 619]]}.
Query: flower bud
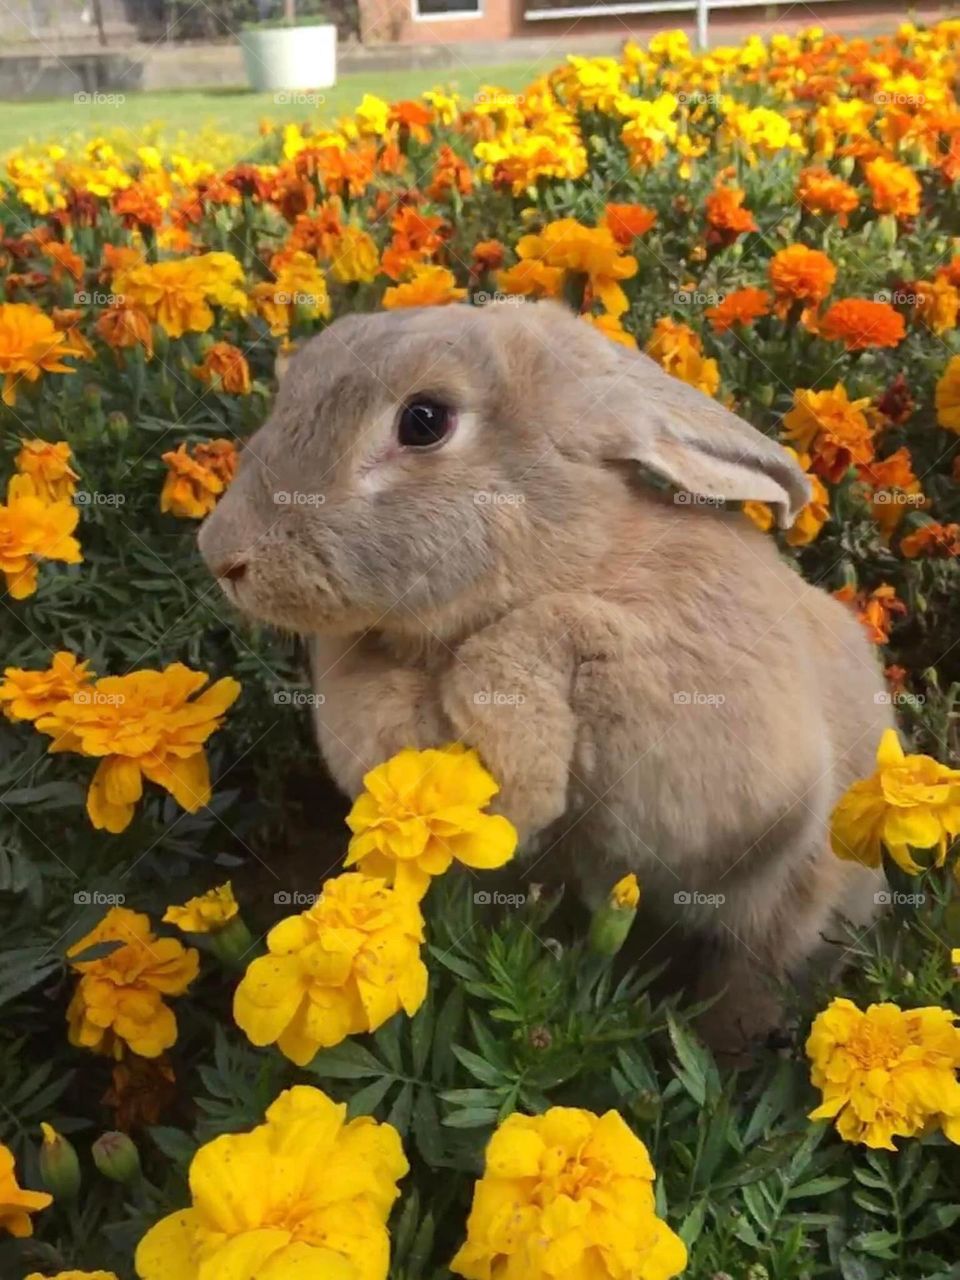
{"points": [[116, 1157], [59, 1165], [118, 424], [231, 943], [887, 230], [612, 922]]}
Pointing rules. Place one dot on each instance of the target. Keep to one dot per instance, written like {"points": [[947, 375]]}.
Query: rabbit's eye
{"points": [[424, 422]]}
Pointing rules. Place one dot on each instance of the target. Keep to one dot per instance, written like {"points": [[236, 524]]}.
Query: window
{"points": [[430, 10]]}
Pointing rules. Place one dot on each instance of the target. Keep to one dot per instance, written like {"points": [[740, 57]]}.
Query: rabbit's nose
{"points": [[232, 570]]}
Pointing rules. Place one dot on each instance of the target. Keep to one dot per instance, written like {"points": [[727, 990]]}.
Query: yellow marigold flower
{"points": [[299, 289], [372, 115], [31, 530], [611, 328], [145, 724], [119, 998], [937, 304], [948, 396], [910, 802], [589, 251], [30, 344], [356, 258], [676, 348], [343, 967], [48, 466], [759, 129], [887, 1072], [531, 279], [16, 1204], [567, 1193], [206, 913], [27, 695], [650, 128], [194, 483], [895, 188], [225, 367], [75, 1275], [759, 514], [626, 892], [429, 286], [307, 1194], [421, 811], [178, 295]]}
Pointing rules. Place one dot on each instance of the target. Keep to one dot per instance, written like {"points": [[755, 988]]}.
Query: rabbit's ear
{"points": [[695, 443]]}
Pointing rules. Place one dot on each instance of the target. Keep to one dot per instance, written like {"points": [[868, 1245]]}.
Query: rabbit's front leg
{"points": [[507, 694], [369, 707]]}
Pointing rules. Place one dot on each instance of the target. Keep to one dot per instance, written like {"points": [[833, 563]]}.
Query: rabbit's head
{"points": [[425, 468]]}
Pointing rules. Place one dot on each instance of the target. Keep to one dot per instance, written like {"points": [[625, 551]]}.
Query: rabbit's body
{"points": [[654, 688]]}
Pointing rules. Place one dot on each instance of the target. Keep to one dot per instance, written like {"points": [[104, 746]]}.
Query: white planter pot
{"points": [[291, 58]]}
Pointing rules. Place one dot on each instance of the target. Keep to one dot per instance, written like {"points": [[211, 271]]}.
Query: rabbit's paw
{"points": [[522, 737]]}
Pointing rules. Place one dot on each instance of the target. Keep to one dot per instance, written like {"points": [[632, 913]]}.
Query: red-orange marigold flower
{"points": [[859, 324], [743, 306], [932, 540], [799, 274], [626, 221]]}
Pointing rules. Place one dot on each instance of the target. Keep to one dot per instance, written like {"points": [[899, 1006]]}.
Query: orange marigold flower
{"points": [[16, 1204], [937, 304], [810, 519], [894, 488], [611, 327], [932, 539], [118, 1001], [627, 221], [32, 529], [831, 428], [676, 348], [66, 320], [726, 215], [531, 278], [192, 487], [218, 456], [48, 466], [743, 306], [225, 367], [430, 287], [488, 255], [876, 609], [27, 695], [30, 344], [121, 327], [823, 194], [799, 274], [895, 188], [65, 261], [450, 173], [860, 324]]}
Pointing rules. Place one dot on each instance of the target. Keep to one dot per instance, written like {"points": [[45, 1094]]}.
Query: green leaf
{"points": [[366, 1100], [698, 1074], [178, 1146], [484, 1071], [347, 1061]]}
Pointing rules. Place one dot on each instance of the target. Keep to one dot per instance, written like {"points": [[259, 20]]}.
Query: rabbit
{"points": [[497, 526]]}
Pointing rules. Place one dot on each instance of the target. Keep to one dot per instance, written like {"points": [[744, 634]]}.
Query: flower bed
{"points": [[386, 1073]]}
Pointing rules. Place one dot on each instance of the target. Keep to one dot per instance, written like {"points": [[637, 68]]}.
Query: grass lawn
{"points": [[234, 111]]}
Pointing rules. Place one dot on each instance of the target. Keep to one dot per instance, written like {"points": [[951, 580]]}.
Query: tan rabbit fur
{"points": [[652, 685]]}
